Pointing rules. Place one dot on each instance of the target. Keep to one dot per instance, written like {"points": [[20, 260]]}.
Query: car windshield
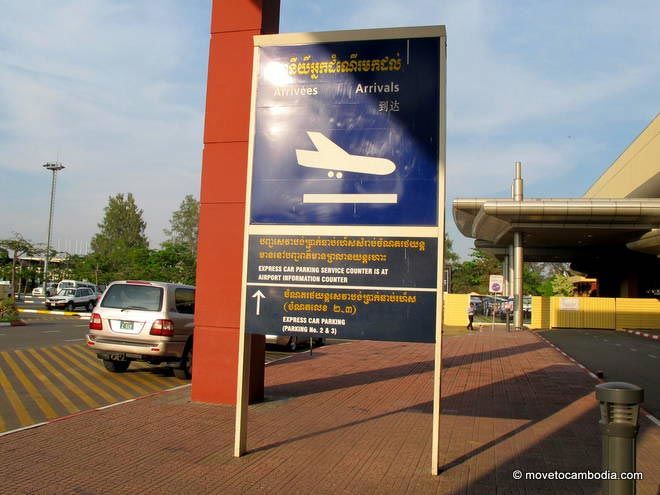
{"points": [[133, 297], [67, 292]]}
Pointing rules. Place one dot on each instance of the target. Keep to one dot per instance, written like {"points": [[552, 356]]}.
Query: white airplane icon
{"points": [[333, 158]]}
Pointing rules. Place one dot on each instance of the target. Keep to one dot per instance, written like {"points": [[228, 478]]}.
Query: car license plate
{"points": [[126, 325], [117, 356]]}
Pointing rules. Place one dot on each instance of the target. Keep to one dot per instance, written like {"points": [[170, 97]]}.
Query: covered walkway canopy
{"points": [[612, 232]]}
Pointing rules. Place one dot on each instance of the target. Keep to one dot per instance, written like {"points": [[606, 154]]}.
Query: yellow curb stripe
{"points": [[145, 388], [54, 389], [48, 312], [81, 379], [93, 372], [68, 383], [23, 415], [39, 399]]}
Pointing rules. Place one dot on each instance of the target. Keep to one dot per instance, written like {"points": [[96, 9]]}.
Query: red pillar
{"points": [[222, 201]]}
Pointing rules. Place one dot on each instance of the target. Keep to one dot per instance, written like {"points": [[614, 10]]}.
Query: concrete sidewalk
{"points": [[354, 418]]}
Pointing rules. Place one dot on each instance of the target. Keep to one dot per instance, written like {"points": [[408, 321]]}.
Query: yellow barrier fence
{"points": [[595, 312], [455, 309]]}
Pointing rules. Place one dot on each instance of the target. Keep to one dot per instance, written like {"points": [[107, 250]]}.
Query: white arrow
{"points": [[259, 295]]}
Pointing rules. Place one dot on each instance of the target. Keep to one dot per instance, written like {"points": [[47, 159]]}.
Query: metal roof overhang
{"points": [[556, 228]]}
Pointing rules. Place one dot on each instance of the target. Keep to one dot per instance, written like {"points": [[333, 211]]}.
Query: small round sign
{"points": [[495, 287]]}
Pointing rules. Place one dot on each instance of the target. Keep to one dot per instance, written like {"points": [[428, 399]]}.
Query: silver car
{"points": [[144, 321], [292, 342]]}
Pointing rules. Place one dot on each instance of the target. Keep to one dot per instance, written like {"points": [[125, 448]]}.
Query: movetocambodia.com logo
{"points": [[585, 475]]}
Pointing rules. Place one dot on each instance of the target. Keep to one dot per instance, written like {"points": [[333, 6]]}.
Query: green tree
{"points": [[184, 225], [120, 249], [122, 226], [5, 264], [562, 285], [172, 263], [472, 275], [19, 247], [79, 267], [451, 258], [534, 280]]}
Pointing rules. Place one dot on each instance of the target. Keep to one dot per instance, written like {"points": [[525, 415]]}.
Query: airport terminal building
{"points": [[611, 233]]}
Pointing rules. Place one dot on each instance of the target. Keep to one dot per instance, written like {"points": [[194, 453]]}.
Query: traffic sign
{"points": [[496, 284]]}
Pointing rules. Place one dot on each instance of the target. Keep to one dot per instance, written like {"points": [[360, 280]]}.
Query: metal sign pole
{"points": [[437, 359], [244, 343], [492, 326], [242, 395]]}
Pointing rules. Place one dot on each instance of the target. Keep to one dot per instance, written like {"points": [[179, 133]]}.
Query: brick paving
{"points": [[355, 419]]}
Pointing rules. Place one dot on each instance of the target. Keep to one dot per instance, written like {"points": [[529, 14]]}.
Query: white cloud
{"points": [[115, 89], [105, 87]]}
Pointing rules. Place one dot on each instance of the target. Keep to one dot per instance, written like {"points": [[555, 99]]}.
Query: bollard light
{"points": [[619, 413]]}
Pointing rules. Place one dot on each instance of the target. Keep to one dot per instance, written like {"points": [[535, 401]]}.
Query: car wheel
{"points": [[69, 306], [293, 344], [48, 307], [116, 366], [90, 306], [184, 370]]}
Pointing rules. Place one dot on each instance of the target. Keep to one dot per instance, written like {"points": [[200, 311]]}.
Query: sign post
{"points": [[344, 234], [495, 286]]}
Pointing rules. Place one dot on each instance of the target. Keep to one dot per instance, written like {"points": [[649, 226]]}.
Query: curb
{"points": [[47, 312], [14, 323], [648, 415], [643, 334]]}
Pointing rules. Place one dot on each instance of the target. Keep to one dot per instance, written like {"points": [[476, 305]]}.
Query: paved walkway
{"points": [[353, 419]]}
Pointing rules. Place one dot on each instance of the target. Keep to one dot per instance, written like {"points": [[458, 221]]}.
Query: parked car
{"points": [[51, 288], [70, 299], [74, 284], [144, 321], [291, 342]]}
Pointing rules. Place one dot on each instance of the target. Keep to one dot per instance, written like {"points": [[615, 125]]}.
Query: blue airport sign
{"points": [[342, 287], [347, 133]]}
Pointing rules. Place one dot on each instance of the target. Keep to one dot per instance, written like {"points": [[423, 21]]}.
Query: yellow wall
{"points": [[596, 312], [455, 309], [638, 313], [541, 312]]}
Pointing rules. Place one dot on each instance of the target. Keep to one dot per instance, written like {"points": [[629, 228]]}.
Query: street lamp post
{"points": [[53, 167]]}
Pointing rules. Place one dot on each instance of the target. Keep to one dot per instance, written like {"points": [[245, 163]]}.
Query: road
{"points": [[46, 372], [42, 331], [621, 356]]}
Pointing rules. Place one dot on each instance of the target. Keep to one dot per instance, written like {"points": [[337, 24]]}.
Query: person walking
{"points": [[470, 313]]}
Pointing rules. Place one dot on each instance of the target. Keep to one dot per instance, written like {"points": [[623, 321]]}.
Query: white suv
{"points": [[144, 321], [70, 299]]}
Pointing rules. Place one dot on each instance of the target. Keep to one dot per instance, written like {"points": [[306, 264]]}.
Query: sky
{"points": [[115, 90]]}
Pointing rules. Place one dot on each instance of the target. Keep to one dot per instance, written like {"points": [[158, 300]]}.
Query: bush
{"points": [[8, 311]]}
